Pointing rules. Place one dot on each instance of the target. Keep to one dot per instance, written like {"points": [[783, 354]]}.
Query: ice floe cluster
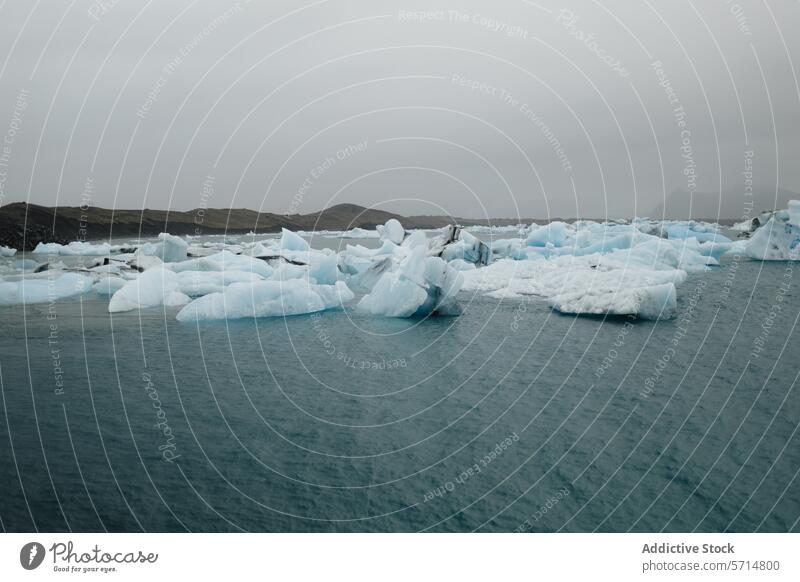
{"points": [[584, 267]]}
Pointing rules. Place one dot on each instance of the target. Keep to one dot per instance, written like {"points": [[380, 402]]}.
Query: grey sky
{"points": [[501, 109]]}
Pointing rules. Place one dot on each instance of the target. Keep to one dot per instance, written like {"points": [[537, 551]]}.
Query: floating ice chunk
{"points": [[292, 242], [554, 233], [75, 248], [174, 248], [419, 286], [321, 266], [690, 229], [412, 267], [109, 285], [363, 273], [393, 231], [394, 296], [266, 299], [605, 281], [653, 302], [169, 249], [7, 251], [155, 287], [224, 261], [662, 254], [142, 262], [44, 289], [779, 238], [197, 283], [443, 284]]}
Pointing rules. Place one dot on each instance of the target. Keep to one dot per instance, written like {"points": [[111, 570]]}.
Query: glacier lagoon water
{"points": [[509, 417]]}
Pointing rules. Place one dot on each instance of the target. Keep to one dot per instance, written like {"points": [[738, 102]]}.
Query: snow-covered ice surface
{"points": [[585, 267]]}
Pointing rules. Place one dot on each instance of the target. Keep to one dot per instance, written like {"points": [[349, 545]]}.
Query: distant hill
{"points": [[25, 225], [715, 206]]}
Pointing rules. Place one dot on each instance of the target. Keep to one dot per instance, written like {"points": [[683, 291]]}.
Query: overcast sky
{"points": [[505, 108]]}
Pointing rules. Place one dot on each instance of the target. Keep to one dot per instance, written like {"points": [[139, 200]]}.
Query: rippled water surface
{"points": [[507, 417]]}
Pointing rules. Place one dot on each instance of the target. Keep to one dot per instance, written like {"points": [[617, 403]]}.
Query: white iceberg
{"points": [[7, 251], [292, 242], [421, 285], [701, 231], [198, 283], [75, 248], [779, 238], [155, 287], [455, 243], [170, 248], [266, 299], [224, 261], [554, 234], [43, 289], [392, 231], [650, 302], [625, 282]]}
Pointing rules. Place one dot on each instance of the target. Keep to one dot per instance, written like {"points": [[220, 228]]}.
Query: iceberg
{"points": [[170, 248], [155, 287], [43, 289], [651, 302], [322, 266], [266, 299], [7, 251], [198, 283], [691, 229], [75, 248], [292, 242], [457, 244], [624, 282], [554, 233], [421, 285], [224, 261], [779, 238], [392, 231]]}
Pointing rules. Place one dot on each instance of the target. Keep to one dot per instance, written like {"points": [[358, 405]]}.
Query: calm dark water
{"points": [[507, 417]]}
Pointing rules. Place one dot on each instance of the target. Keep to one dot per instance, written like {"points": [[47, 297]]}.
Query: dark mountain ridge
{"points": [[23, 225]]}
